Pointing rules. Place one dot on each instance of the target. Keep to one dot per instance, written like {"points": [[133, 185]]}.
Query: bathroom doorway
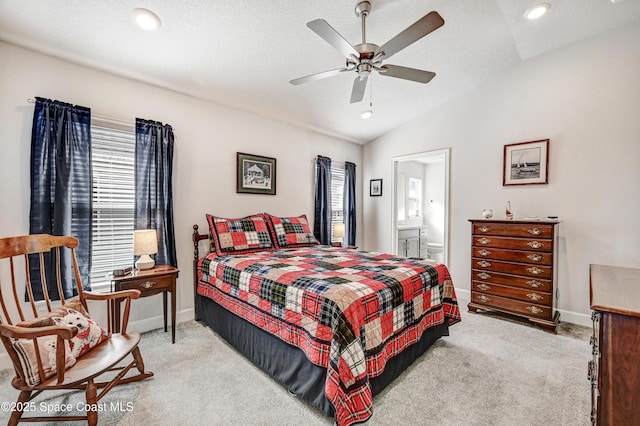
{"points": [[421, 205]]}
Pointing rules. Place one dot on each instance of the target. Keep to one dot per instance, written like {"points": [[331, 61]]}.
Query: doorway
{"points": [[420, 225]]}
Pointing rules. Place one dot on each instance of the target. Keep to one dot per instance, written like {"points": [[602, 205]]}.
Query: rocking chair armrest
{"points": [[122, 294], [17, 332]]}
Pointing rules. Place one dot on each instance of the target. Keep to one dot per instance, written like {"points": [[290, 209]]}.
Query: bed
{"points": [[334, 325]]}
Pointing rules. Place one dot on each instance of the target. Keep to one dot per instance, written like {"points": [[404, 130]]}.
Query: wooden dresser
{"points": [[513, 269], [615, 369]]}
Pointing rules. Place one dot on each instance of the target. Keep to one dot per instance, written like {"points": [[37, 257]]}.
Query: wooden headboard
{"points": [[196, 237]]}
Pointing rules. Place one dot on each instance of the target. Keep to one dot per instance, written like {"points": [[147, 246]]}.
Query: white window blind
{"points": [[337, 196], [112, 161]]}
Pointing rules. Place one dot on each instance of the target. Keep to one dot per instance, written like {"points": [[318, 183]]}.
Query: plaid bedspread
{"points": [[349, 311]]}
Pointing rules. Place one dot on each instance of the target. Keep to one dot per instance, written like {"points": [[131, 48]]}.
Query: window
{"points": [[113, 180], [337, 196]]}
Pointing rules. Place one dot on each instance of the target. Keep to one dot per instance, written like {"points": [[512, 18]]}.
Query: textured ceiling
{"points": [[242, 53]]}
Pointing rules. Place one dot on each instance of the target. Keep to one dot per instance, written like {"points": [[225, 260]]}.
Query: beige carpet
{"points": [[490, 371]]}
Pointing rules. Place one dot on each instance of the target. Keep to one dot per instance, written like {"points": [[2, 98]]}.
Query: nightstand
{"points": [[159, 279]]}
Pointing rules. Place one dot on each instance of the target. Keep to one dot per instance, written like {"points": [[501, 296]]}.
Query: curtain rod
{"points": [[336, 162], [101, 117]]}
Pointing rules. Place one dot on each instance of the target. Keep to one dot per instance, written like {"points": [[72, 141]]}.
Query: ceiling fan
{"points": [[366, 57]]}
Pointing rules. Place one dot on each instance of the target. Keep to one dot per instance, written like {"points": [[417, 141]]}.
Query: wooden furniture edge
{"points": [[196, 237], [547, 325]]}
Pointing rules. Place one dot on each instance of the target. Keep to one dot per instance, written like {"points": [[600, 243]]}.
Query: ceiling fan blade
{"points": [[317, 76], [412, 74], [423, 26], [331, 36], [359, 86]]}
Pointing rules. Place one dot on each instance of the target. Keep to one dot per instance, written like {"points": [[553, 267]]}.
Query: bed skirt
{"points": [[288, 364]]}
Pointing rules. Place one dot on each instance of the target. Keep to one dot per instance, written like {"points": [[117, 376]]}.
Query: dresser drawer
{"points": [[532, 296], [536, 244], [506, 279], [538, 271], [513, 255], [511, 305], [513, 230], [148, 284]]}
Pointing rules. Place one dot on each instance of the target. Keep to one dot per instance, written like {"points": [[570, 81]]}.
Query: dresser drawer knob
{"points": [[484, 276], [484, 287], [535, 270], [534, 296], [484, 264], [147, 284], [534, 310], [535, 244], [483, 298], [535, 231], [535, 257], [534, 284], [484, 229], [484, 252], [483, 240]]}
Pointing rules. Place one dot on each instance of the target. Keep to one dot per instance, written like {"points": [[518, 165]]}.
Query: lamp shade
{"points": [[145, 242], [338, 230]]}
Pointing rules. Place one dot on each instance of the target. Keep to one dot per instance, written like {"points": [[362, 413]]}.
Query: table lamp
{"points": [[145, 242], [338, 231]]}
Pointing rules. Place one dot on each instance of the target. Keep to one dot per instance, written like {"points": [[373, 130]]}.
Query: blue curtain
{"points": [[61, 189], [154, 195], [322, 219], [350, 203]]}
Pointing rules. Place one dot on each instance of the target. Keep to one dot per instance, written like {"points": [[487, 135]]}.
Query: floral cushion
{"points": [[290, 232], [239, 235]]}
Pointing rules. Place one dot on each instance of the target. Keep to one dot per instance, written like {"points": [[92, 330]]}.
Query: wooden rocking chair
{"points": [[17, 331]]}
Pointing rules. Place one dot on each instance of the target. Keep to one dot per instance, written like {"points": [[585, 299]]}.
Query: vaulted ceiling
{"points": [[242, 53]]}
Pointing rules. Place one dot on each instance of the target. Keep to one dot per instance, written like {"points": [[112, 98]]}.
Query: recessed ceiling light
{"points": [[537, 11], [145, 19], [366, 114]]}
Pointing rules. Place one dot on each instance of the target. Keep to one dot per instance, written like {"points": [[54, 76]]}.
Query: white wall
{"points": [[586, 99], [434, 198], [207, 138]]}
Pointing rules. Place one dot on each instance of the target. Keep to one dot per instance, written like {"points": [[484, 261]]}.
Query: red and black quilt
{"points": [[350, 311]]}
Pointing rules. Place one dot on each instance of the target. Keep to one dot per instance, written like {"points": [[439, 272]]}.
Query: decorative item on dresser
{"points": [[615, 370], [513, 269]]}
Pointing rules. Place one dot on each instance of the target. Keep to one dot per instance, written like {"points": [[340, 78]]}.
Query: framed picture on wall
{"points": [[255, 174], [375, 187], [526, 163]]}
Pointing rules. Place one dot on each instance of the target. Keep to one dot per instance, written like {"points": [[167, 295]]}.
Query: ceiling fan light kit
{"points": [[364, 58]]}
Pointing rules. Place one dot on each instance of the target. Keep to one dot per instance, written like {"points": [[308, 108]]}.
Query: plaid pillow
{"points": [[289, 232], [239, 235]]}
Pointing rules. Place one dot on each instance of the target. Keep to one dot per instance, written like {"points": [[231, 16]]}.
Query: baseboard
{"points": [[464, 296], [156, 322], [140, 326]]}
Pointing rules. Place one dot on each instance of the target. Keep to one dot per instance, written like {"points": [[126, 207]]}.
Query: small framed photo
{"points": [[255, 174], [375, 187], [526, 163]]}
